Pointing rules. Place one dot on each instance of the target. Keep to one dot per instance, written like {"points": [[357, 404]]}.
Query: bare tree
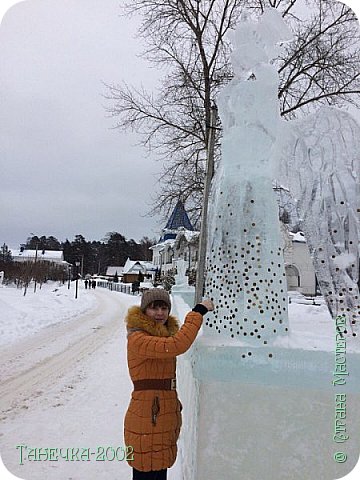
{"points": [[322, 65], [188, 39]]}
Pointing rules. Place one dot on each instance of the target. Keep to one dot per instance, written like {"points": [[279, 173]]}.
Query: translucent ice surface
{"points": [[245, 270], [321, 167]]}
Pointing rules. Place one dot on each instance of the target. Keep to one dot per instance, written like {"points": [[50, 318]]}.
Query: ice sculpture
{"points": [[182, 287], [321, 166], [180, 277], [245, 269]]}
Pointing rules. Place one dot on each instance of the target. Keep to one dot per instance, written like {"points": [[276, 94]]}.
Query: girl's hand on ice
{"points": [[208, 304]]}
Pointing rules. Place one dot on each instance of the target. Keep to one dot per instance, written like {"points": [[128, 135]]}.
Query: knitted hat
{"points": [[153, 295]]}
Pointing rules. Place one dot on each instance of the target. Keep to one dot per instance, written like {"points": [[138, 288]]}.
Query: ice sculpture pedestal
{"points": [[270, 432], [186, 292], [248, 418]]}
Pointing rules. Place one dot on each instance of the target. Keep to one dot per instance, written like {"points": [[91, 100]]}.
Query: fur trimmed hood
{"points": [[137, 320]]}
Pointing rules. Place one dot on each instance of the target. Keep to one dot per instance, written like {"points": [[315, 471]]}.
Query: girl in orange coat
{"points": [[153, 419]]}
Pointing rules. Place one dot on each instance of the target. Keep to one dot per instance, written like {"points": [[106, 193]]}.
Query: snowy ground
{"points": [[22, 316], [65, 385], [311, 326], [65, 382]]}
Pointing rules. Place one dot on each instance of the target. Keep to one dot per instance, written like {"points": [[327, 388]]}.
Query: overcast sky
{"points": [[64, 171]]}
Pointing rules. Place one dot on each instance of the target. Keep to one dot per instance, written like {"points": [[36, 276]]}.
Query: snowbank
{"points": [[21, 315]]}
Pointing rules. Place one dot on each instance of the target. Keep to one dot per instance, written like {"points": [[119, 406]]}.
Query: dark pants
{"points": [[155, 475]]}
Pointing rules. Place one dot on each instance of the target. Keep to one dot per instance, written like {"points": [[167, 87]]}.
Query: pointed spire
{"points": [[179, 218]]}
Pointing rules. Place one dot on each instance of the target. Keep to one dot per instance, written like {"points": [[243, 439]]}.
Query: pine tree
{"points": [[5, 254]]}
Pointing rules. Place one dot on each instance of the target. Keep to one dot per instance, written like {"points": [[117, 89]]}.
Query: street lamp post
{"points": [[77, 264], [69, 276]]}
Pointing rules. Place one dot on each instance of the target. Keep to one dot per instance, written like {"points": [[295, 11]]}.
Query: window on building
{"points": [[292, 277]]}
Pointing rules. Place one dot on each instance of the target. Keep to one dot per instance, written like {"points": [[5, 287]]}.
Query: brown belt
{"points": [[155, 384]]}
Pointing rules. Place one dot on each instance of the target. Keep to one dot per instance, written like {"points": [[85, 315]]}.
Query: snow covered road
{"points": [[67, 387], [43, 359]]}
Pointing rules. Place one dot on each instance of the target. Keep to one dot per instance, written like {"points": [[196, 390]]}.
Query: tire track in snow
{"points": [[75, 340]]}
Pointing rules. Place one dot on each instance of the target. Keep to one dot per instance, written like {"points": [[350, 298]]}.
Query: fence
{"points": [[117, 287]]}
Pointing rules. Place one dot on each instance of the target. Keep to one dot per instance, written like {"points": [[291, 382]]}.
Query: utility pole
{"points": [[69, 276], [200, 274], [35, 262], [36, 254]]}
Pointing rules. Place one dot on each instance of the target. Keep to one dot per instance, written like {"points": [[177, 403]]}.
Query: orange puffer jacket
{"points": [[152, 350]]}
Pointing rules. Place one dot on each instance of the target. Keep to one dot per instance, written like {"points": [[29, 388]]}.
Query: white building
{"points": [[186, 247], [53, 256], [114, 270], [300, 273], [178, 240]]}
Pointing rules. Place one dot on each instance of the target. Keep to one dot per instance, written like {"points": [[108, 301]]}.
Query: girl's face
{"points": [[158, 311]]}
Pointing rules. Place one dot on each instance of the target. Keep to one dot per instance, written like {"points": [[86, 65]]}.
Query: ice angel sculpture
{"points": [[245, 269], [321, 166]]}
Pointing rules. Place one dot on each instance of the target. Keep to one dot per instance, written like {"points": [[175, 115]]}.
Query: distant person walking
{"points": [[93, 284], [86, 284], [153, 419]]}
